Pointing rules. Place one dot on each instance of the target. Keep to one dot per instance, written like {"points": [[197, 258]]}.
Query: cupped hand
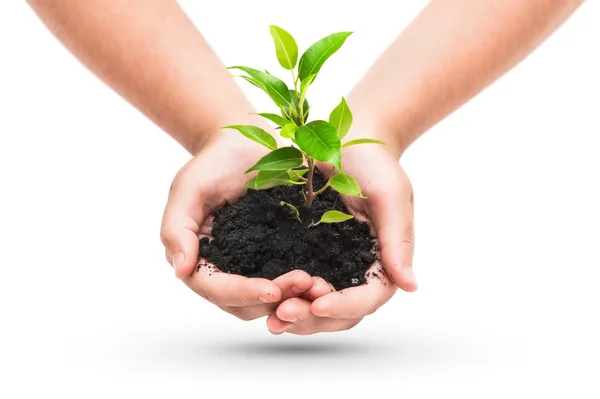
{"points": [[389, 209], [213, 176]]}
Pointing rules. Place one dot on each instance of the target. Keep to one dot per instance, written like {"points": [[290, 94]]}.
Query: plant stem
{"points": [[300, 109], [309, 183], [299, 176], [295, 81], [325, 186]]}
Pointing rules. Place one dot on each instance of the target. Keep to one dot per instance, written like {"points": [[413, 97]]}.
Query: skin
{"points": [[153, 56]]}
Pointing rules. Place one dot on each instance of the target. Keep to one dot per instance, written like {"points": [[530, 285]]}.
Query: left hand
{"points": [[389, 209]]}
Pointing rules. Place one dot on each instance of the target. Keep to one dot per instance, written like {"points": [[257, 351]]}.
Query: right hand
{"points": [[213, 176]]}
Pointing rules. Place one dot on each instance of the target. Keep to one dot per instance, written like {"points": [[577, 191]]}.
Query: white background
{"points": [[507, 217]]}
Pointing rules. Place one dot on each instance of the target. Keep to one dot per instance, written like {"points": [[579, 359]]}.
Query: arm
{"points": [[151, 54], [451, 51], [448, 54]]}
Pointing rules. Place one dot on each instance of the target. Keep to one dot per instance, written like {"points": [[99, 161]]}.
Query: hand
{"points": [[389, 209], [213, 176]]}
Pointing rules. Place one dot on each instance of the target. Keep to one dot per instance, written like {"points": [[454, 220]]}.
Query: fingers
{"points": [[319, 288], [294, 283], [305, 323], [226, 289], [182, 218], [294, 310], [355, 302], [393, 219], [290, 284]]}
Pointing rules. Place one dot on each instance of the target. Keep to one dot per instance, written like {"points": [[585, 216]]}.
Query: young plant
{"points": [[312, 141]]}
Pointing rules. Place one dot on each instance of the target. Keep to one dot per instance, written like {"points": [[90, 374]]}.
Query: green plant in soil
{"points": [[311, 141]]}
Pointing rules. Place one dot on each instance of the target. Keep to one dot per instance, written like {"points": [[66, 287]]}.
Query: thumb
{"points": [[181, 223], [392, 215], [181, 248]]}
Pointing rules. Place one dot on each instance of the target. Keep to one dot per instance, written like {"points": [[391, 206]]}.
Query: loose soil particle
{"points": [[257, 237]]}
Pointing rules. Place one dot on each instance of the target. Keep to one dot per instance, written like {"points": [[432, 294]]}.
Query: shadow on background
{"points": [[351, 352]]}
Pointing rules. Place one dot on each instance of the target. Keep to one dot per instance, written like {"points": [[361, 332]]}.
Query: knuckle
{"points": [[408, 238], [166, 234]]}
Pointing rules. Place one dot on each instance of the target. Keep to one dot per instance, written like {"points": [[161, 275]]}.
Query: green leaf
{"points": [[345, 184], [249, 79], [315, 56], [341, 118], [273, 86], [251, 183], [306, 83], [293, 208], [266, 185], [278, 120], [320, 140], [334, 217], [294, 106], [256, 134], [362, 141], [285, 47], [273, 183], [281, 159], [288, 131], [266, 175], [294, 173]]}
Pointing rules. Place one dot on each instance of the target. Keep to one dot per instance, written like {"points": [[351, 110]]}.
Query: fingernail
{"points": [[177, 261], [263, 299]]}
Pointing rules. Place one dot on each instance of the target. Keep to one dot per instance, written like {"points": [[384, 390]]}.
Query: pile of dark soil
{"points": [[258, 237]]}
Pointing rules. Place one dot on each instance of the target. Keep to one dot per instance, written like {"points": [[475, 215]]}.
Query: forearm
{"points": [[151, 54], [449, 53]]}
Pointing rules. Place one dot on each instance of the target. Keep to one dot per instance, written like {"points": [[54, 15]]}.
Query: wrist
{"points": [[370, 122], [213, 132], [374, 128]]}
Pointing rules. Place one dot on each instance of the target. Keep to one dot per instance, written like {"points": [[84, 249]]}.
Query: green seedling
{"points": [[311, 141]]}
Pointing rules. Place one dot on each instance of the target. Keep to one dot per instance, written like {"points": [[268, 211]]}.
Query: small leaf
{"points": [[285, 47], [267, 184], [294, 106], [295, 173], [288, 131], [278, 120], [249, 79], [266, 175], [251, 183], [341, 118], [362, 141], [273, 183], [315, 56], [334, 217], [293, 208], [345, 184], [256, 134], [320, 140], [306, 83], [273, 86], [281, 159]]}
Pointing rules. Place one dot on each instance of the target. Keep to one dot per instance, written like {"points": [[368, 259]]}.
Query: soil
{"points": [[258, 237]]}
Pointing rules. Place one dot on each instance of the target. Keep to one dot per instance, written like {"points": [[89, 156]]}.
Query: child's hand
{"points": [[389, 208], [213, 176]]}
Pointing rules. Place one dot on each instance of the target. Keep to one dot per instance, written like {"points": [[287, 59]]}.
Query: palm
{"points": [[389, 209], [213, 177]]}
